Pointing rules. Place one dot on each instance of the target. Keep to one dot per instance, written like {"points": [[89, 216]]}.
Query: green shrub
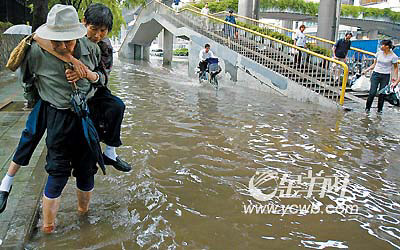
{"points": [[311, 8], [181, 52], [224, 5], [297, 5], [5, 25], [283, 37]]}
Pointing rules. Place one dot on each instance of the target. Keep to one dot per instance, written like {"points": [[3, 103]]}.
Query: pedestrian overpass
{"points": [[252, 58], [383, 24]]}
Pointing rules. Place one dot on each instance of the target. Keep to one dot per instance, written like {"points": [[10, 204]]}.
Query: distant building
{"points": [[380, 4]]}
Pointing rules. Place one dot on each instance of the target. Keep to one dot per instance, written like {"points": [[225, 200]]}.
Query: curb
{"points": [[25, 218]]}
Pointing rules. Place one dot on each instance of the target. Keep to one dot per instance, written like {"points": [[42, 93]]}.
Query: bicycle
{"points": [[210, 74]]}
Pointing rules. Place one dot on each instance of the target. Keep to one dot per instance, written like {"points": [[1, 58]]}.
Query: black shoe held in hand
{"points": [[3, 199], [118, 164]]}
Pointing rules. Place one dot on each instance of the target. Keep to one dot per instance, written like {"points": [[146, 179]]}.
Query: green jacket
{"points": [[47, 72]]}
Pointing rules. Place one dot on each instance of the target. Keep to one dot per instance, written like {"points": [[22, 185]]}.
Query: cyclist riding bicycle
{"points": [[206, 56]]}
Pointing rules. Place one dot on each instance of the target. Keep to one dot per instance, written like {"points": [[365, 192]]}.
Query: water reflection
{"points": [[194, 152]]}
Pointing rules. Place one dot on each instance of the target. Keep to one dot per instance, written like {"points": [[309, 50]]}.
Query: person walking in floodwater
{"points": [[67, 149], [106, 109], [385, 61]]}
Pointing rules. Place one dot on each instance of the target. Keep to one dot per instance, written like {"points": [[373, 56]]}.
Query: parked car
{"points": [[157, 52]]}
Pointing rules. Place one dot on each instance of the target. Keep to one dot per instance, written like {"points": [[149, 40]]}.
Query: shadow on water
{"points": [[194, 153]]}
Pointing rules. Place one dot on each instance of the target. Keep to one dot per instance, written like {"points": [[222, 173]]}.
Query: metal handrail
{"points": [[290, 30], [344, 65]]}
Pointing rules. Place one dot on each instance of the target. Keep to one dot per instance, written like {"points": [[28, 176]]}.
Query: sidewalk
{"points": [[17, 221]]}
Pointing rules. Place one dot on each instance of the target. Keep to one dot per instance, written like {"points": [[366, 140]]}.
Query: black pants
{"points": [[67, 148], [381, 81], [203, 66], [107, 113], [31, 135], [297, 58]]}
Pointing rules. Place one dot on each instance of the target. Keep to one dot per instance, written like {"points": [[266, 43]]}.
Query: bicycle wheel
{"points": [[215, 83]]}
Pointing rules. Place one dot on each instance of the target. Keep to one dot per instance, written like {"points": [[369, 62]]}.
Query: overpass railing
{"points": [[357, 58], [303, 66]]}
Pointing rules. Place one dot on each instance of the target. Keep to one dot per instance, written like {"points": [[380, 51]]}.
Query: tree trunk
{"points": [[40, 10]]}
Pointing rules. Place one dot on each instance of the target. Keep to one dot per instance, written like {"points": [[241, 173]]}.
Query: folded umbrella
{"points": [[80, 107]]}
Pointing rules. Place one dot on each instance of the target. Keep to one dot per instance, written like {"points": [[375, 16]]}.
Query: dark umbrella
{"points": [[80, 107]]}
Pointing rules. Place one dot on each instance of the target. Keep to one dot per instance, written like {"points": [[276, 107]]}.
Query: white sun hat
{"points": [[62, 24]]}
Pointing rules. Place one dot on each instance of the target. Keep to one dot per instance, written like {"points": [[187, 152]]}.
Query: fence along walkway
{"points": [[357, 59], [314, 71]]}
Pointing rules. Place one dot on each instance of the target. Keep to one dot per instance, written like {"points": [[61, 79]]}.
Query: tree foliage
{"points": [[305, 7], [81, 5]]}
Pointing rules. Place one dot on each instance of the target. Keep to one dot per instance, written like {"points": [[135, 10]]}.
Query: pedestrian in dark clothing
{"points": [[230, 31], [107, 110], [175, 4], [67, 149], [340, 50], [342, 46]]}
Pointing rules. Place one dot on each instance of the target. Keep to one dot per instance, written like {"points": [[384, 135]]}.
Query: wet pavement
{"points": [[195, 151], [19, 217]]}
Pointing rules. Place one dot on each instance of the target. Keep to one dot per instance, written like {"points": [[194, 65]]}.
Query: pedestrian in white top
{"points": [[300, 41], [203, 55], [382, 67], [300, 37], [205, 10]]}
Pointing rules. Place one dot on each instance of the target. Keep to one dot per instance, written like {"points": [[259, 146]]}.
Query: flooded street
{"points": [[194, 152]]}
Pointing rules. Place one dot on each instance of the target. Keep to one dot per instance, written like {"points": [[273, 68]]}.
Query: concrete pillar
{"points": [[146, 53], [161, 39], [168, 47], [373, 34], [245, 8], [127, 51], [256, 9], [193, 58], [327, 20], [288, 24]]}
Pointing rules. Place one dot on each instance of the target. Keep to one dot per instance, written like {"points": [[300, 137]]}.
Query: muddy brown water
{"points": [[194, 152]]}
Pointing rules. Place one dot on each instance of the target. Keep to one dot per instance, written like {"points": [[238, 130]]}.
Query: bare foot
{"points": [[48, 229]]}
